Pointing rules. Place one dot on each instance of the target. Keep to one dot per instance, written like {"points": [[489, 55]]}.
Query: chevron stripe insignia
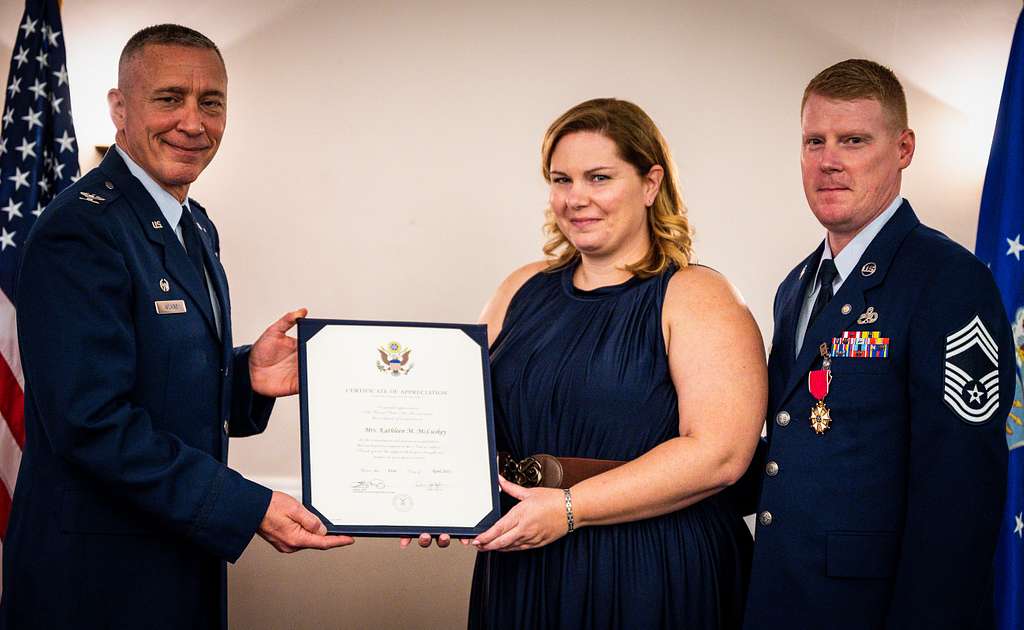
{"points": [[971, 387]]}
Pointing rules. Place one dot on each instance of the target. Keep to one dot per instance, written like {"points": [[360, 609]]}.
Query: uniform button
{"points": [[771, 468], [765, 518], [109, 185], [782, 419], [225, 427]]}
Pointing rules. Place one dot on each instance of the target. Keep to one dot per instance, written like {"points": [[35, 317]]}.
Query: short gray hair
{"points": [[167, 34]]}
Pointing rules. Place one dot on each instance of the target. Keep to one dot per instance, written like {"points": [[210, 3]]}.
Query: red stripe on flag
{"points": [[12, 403], [5, 510]]}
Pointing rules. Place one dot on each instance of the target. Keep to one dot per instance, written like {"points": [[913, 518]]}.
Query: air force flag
{"points": [[1000, 227]]}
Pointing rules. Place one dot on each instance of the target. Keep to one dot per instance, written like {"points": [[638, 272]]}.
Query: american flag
{"points": [[38, 159]]}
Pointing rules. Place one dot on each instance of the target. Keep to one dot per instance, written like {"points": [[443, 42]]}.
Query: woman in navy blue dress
{"points": [[615, 348]]}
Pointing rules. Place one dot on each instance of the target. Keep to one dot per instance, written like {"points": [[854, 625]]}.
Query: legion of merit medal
{"points": [[818, 382]]}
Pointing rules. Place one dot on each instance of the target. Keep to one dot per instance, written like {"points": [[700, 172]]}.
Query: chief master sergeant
{"points": [[891, 376], [124, 511]]}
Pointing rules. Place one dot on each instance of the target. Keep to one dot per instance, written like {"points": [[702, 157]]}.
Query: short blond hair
{"points": [[855, 79], [640, 143]]}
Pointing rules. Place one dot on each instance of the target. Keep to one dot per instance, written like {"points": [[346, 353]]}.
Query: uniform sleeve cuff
{"points": [[231, 515]]}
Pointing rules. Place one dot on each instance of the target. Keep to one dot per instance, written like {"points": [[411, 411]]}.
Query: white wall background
{"points": [[381, 161]]}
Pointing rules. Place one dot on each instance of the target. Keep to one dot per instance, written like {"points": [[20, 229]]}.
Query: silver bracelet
{"points": [[568, 511]]}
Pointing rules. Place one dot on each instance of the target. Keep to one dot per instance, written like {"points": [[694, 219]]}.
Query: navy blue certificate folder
{"points": [[397, 427]]}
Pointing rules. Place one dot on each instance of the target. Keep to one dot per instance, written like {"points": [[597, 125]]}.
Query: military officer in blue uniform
{"points": [[891, 376], [125, 511]]}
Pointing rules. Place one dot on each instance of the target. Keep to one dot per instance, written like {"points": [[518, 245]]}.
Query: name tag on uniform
{"points": [[169, 307]]}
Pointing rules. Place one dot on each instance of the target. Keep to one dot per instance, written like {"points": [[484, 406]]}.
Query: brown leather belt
{"points": [[547, 471]]}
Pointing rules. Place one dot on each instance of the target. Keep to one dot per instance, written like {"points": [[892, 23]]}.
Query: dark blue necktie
{"points": [[193, 246], [826, 276]]}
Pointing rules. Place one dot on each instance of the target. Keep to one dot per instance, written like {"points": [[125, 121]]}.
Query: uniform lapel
{"points": [[791, 300], [155, 227], [832, 321]]}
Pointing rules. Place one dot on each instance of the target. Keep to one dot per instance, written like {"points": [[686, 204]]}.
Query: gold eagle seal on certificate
{"points": [[394, 359]]}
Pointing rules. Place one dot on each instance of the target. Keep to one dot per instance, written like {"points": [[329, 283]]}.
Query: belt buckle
{"points": [[526, 472]]}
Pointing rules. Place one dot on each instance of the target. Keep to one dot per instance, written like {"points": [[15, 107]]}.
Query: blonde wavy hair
{"points": [[641, 144]]}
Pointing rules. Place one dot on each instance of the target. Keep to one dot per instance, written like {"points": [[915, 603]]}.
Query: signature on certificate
{"points": [[368, 485], [431, 486]]}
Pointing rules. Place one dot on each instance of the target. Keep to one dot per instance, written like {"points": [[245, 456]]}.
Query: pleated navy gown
{"points": [[585, 374]]}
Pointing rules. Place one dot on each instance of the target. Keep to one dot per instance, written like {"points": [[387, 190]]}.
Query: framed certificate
{"points": [[397, 427]]}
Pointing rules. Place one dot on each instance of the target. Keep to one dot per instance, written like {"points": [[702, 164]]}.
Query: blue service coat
{"points": [[124, 511], [888, 519]]}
